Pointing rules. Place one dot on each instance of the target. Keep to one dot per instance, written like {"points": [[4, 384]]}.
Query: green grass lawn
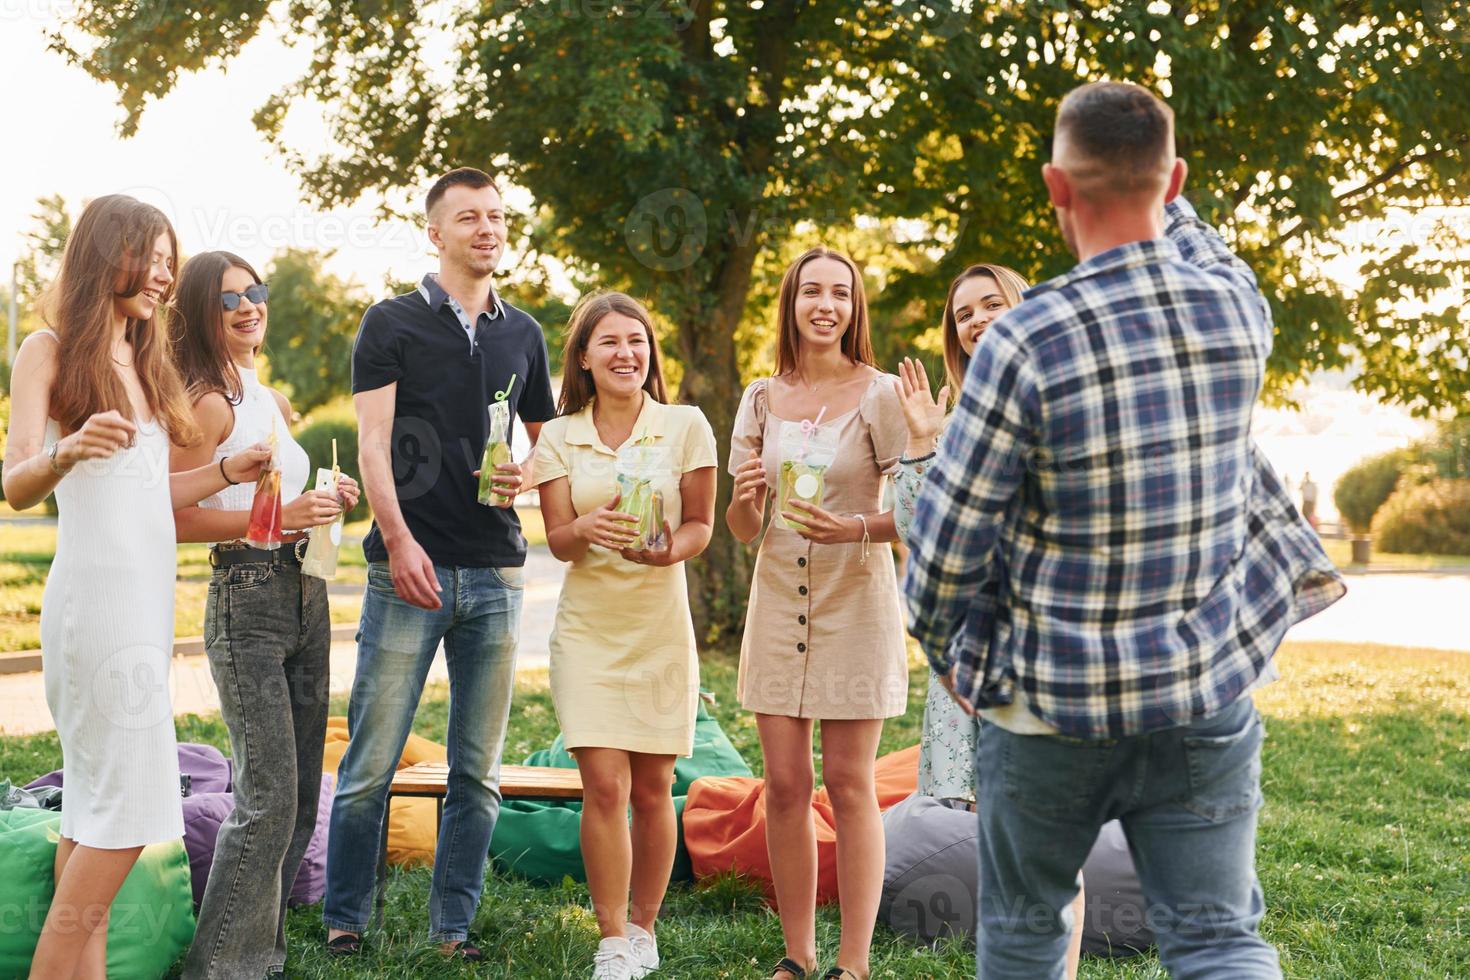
{"points": [[1364, 847], [26, 552]]}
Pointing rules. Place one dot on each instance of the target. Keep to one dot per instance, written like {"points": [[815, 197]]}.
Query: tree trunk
{"points": [[719, 581]]}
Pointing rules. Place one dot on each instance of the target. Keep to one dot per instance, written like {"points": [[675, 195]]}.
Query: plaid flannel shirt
{"points": [[1100, 528]]}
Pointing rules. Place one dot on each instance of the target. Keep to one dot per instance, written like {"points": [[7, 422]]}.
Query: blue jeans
{"points": [[1188, 799], [478, 621]]}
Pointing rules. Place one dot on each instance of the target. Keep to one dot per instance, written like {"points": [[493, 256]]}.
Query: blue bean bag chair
{"points": [[931, 876], [152, 920]]}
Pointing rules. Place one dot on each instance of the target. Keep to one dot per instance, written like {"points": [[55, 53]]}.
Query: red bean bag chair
{"points": [[725, 822]]}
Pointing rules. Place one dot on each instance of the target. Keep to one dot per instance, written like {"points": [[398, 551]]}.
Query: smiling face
{"points": [[617, 355], [468, 227], [823, 303], [142, 304], [243, 327], [977, 301]]}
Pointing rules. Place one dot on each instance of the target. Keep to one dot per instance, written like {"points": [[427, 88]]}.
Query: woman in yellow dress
{"points": [[624, 669]]}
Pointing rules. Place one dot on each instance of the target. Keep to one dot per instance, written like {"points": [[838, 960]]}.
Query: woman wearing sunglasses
{"points": [[266, 628]]}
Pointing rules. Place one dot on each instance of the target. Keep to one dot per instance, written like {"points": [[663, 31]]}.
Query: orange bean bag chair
{"points": [[725, 822], [412, 822]]}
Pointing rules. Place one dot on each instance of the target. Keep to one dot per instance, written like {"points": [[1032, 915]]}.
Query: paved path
{"points": [[1399, 609], [193, 690], [1425, 610]]}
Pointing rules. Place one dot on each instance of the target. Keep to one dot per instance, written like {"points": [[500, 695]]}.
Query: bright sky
{"points": [[196, 155]]}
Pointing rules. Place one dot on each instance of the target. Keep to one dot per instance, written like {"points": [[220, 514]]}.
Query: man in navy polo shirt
{"points": [[441, 566]]}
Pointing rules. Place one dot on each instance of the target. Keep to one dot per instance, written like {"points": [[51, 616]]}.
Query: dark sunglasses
{"points": [[257, 294]]}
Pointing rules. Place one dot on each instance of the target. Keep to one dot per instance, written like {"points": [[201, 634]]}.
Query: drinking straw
{"points": [[808, 426], [501, 396]]}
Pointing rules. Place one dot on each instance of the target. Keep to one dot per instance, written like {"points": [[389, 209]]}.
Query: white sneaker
{"points": [[645, 950], [614, 960]]}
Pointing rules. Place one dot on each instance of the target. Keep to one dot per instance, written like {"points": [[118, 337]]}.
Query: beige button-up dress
{"points": [[823, 632]]}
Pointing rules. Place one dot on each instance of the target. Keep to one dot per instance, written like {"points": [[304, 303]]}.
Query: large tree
{"points": [[313, 319], [668, 145]]}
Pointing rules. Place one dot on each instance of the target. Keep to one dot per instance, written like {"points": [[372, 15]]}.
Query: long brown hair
{"points": [[113, 239], [577, 387], [956, 361], [197, 329], [857, 342]]}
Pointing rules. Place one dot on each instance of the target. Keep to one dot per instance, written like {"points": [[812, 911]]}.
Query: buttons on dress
{"points": [[801, 648], [801, 619], [801, 589], [801, 563]]}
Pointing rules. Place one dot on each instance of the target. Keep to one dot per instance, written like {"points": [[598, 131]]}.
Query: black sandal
{"points": [[345, 945], [788, 965], [838, 973], [466, 950]]}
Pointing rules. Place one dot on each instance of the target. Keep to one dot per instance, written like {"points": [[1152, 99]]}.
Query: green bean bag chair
{"points": [[152, 919], [541, 840]]}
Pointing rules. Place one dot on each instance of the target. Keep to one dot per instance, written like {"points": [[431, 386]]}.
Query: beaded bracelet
{"points": [[919, 459]]}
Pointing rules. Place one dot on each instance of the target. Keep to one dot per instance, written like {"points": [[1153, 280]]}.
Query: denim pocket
{"points": [[510, 578], [1049, 776], [249, 575], [211, 614], [1224, 771], [379, 577]]}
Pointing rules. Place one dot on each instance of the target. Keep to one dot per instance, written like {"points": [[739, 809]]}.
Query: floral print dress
{"points": [[947, 745]]}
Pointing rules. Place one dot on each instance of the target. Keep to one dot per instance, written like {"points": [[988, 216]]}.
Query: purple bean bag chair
{"points": [[206, 766], [210, 802]]}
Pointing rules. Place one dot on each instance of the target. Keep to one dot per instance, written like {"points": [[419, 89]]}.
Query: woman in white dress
{"points": [[93, 407]]}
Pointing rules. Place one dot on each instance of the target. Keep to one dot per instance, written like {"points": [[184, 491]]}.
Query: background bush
{"points": [[1362, 490], [1429, 517], [334, 420]]}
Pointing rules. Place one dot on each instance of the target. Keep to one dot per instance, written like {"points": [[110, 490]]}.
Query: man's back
{"points": [[1103, 450]]}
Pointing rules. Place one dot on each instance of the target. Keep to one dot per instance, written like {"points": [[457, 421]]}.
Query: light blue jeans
{"points": [[478, 622], [1187, 798]]}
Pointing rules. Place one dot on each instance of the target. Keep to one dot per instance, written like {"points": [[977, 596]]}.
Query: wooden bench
{"points": [[431, 779]]}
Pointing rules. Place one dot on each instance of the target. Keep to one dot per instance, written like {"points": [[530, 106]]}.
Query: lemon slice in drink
{"points": [[806, 486]]}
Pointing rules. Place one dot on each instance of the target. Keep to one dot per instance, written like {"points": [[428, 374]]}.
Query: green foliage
{"points": [[668, 146], [1429, 517], [1363, 489], [313, 320], [35, 268], [333, 421], [4, 431], [1449, 450]]}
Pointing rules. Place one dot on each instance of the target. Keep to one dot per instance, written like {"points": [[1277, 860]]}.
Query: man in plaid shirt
{"points": [[1103, 564]]}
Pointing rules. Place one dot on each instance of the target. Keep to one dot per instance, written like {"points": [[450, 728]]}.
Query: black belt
{"points": [[289, 553]]}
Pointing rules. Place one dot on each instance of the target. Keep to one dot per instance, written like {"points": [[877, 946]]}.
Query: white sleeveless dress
{"points": [[107, 636]]}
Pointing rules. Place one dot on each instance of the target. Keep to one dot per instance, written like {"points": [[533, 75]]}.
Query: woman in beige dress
{"points": [[624, 670], [823, 634]]}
